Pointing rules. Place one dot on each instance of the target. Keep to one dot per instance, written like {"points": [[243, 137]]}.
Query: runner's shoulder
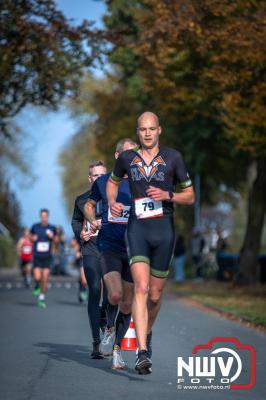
{"points": [[171, 152], [83, 196], [36, 225], [102, 180], [49, 226]]}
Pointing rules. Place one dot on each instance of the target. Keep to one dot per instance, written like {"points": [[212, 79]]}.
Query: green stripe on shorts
{"points": [[159, 274], [139, 259]]}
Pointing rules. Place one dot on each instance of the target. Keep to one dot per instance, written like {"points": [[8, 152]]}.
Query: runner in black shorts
{"points": [[115, 265], [153, 172], [91, 265], [42, 235]]}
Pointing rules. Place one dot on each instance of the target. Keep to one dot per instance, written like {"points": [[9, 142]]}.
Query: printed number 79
{"points": [[150, 205]]}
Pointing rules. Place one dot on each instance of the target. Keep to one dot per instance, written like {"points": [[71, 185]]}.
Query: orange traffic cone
{"points": [[129, 342]]}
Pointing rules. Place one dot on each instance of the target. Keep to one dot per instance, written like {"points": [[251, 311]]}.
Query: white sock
{"points": [[42, 296]]}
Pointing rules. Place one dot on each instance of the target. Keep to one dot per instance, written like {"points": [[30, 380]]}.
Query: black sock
{"points": [[111, 314], [37, 284], [121, 326], [103, 317]]}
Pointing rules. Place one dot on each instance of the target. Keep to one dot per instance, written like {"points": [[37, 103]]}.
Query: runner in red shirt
{"points": [[25, 251]]}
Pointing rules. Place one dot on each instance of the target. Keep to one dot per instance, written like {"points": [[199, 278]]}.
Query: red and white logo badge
{"points": [[222, 363]]}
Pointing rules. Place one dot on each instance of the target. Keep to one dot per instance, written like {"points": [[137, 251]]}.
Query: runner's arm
{"points": [[112, 193], [77, 221], [19, 246], [186, 196], [90, 207], [34, 237], [112, 190], [112, 186], [90, 211]]}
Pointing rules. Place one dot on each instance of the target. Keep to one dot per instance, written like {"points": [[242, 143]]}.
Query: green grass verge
{"points": [[248, 303], [8, 252]]}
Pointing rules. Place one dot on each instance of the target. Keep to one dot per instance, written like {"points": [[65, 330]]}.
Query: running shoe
{"points": [[143, 363], [83, 296], [149, 345], [118, 362], [106, 346], [37, 291], [41, 303], [96, 354]]}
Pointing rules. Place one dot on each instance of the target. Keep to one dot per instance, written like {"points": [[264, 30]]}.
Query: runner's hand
{"points": [[157, 194], [50, 234], [95, 226], [85, 235], [116, 209]]}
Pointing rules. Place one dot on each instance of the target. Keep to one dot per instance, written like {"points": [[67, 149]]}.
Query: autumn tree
{"points": [[204, 64], [201, 66], [10, 212], [42, 56], [42, 59]]}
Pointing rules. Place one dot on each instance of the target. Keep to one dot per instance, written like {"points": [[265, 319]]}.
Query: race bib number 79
{"points": [[148, 208]]}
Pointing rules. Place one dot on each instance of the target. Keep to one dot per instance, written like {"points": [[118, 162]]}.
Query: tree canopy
{"points": [[42, 56], [200, 65]]}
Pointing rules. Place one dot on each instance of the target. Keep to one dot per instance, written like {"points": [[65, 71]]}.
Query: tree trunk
{"points": [[256, 213]]}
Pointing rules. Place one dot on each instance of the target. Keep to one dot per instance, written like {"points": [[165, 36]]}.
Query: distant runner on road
{"points": [[25, 251], [42, 234]]}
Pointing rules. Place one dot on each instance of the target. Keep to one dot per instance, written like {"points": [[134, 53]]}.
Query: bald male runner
{"points": [[153, 173]]}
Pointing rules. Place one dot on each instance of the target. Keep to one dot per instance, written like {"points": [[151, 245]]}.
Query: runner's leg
{"points": [[82, 286], [28, 274], [141, 277], [93, 276], [112, 281], [37, 274], [154, 299], [103, 308], [44, 280], [124, 315]]}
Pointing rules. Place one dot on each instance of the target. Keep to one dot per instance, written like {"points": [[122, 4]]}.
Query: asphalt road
{"points": [[44, 354]]}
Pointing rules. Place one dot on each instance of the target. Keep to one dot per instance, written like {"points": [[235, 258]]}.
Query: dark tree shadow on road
{"points": [[81, 355]]}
